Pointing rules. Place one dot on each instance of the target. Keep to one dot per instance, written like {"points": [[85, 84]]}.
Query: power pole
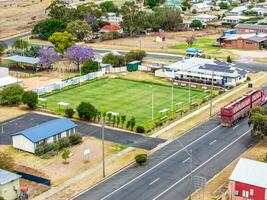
{"points": [[211, 93], [172, 99], [189, 92], [103, 147]]}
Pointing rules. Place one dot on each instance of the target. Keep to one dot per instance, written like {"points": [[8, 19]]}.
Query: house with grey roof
{"points": [[9, 185], [250, 28], [205, 71]]}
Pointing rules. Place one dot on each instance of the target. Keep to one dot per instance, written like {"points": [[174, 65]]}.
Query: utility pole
{"points": [[211, 93], [103, 147], [152, 103], [172, 99], [189, 92]]}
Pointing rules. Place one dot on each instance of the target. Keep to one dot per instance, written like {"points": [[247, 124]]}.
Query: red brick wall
{"points": [[245, 31], [242, 44]]}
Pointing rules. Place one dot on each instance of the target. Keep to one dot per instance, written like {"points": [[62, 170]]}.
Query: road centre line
{"points": [[211, 143], [164, 160], [186, 160], [154, 181], [197, 168]]}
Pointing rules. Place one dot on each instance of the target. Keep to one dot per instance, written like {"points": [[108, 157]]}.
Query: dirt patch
{"points": [[9, 112], [251, 56]]}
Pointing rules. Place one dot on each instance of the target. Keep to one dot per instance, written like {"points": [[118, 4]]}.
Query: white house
{"points": [[6, 80], [47, 132], [201, 7], [203, 70], [9, 185], [233, 19], [204, 18], [260, 10], [238, 10]]}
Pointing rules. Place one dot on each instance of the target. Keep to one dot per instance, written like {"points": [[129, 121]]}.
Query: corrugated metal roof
{"points": [[250, 172], [48, 129], [6, 176], [253, 26], [23, 59], [257, 38]]}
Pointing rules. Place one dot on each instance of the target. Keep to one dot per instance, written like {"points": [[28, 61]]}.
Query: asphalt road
{"points": [[118, 136], [8, 42], [167, 175]]}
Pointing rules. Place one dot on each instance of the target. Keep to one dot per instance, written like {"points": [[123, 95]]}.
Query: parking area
{"points": [[29, 120]]}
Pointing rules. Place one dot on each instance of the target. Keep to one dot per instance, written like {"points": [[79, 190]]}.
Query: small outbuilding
{"points": [[9, 185], [48, 132], [133, 66]]}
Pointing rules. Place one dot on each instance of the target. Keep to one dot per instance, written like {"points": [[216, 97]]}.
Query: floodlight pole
{"points": [[103, 147], [189, 92], [172, 98], [152, 104], [211, 93]]}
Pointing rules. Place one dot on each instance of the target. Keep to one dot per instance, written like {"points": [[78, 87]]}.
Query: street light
{"points": [[103, 146], [172, 98], [152, 103], [211, 93], [189, 90]]}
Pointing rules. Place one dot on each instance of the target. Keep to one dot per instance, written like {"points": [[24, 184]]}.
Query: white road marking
{"points": [[235, 126], [186, 160], [160, 163], [154, 181], [211, 143], [197, 168]]}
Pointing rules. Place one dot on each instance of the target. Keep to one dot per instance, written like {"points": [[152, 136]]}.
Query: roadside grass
{"points": [[218, 184], [261, 60], [203, 116], [126, 97]]}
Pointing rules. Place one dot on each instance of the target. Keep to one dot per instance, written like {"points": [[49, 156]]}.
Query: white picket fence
{"points": [[72, 81]]}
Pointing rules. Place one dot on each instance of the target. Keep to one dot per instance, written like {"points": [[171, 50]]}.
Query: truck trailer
{"points": [[240, 107]]}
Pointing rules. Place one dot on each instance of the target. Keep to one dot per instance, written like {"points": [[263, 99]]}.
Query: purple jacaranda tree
{"points": [[79, 54], [48, 56]]}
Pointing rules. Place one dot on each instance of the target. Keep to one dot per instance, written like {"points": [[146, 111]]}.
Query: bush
{"points": [[229, 59], [248, 78], [43, 148], [49, 154], [135, 55], [75, 139], [86, 111], [140, 129], [194, 11], [69, 112], [221, 92], [6, 161], [64, 143], [30, 98], [11, 94], [141, 159], [90, 66], [2, 198]]}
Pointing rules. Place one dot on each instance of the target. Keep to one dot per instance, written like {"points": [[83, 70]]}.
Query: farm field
{"points": [[126, 97]]}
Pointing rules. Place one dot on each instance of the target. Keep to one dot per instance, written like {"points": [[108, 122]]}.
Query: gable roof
{"points": [[257, 178], [6, 176], [23, 59], [251, 26], [47, 129]]}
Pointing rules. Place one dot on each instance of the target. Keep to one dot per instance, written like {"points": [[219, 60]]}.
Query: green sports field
{"points": [[126, 97]]}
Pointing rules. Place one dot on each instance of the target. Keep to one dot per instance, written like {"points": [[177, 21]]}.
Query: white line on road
{"points": [[211, 143], [186, 160], [160, 163], [12, 120], [197, 168], [235, 126], [154, 181]]}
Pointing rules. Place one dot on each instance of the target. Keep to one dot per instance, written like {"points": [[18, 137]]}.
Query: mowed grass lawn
{"points": [[126, 97]]}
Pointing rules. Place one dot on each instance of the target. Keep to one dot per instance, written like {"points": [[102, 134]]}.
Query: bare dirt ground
{"points": [[19, 16], [251, 56], [148, 42], [214, 187], [7, 112]]}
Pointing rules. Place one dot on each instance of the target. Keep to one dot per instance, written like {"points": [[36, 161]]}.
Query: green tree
{"points": [[153, 3], [258, 121], [65, 155], [109, 6], [229, 59], [33, 51], [45, 28], [30, 98], [86, 111], [90, 9], [2, 49], [265, 158], [186, 5], [224, 5], [11, 94], [69, 112], [20, 44], [90, 66], [135, 55], [141, 159], [123, 119], [132, 124], [132, 18], [79, 29], [61, 41], [194, 11], [190, 40], [196, 24], [118, 121], [114, 60], [6, 161]]}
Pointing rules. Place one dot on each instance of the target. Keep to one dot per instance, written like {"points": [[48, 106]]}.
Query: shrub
{"points": [[248, 78], [6, 161], [229, 59], [194, 11], [140, 129], [135, 55], [86, 111], [75, 139], [2, 198], [64, 143], [65, 155], [69, 112], [43, 148], [30, 98], [141, 159], [49, 154], [11, 94], [221, 92]]}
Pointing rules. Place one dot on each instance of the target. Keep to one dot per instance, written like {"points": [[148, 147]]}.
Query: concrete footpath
{"points": [[88, 172]]}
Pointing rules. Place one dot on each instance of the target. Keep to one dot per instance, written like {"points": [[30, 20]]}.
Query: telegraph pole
{"points": [[189, 92], [103, 147], [172, 99], [211, 93]]}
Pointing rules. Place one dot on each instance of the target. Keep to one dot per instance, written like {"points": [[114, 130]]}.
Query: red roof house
{"points": [[108, 28], [248, 181]]}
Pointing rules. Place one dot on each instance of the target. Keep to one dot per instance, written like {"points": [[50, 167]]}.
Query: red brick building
{"points": [[250, 28], [248, 181]]}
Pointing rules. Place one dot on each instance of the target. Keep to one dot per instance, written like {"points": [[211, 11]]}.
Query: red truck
{"points": [[239, 108]]}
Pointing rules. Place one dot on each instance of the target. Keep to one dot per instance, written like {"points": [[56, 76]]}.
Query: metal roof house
{"points": [[47, 132], [9, 185], [248, 180], [203, 70], [250, 28]]}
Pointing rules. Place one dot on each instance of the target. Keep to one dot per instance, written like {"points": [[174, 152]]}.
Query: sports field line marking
{"points": [[169, 188], [186, 160], [160, 163], [211, 143], [154, 181]]}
